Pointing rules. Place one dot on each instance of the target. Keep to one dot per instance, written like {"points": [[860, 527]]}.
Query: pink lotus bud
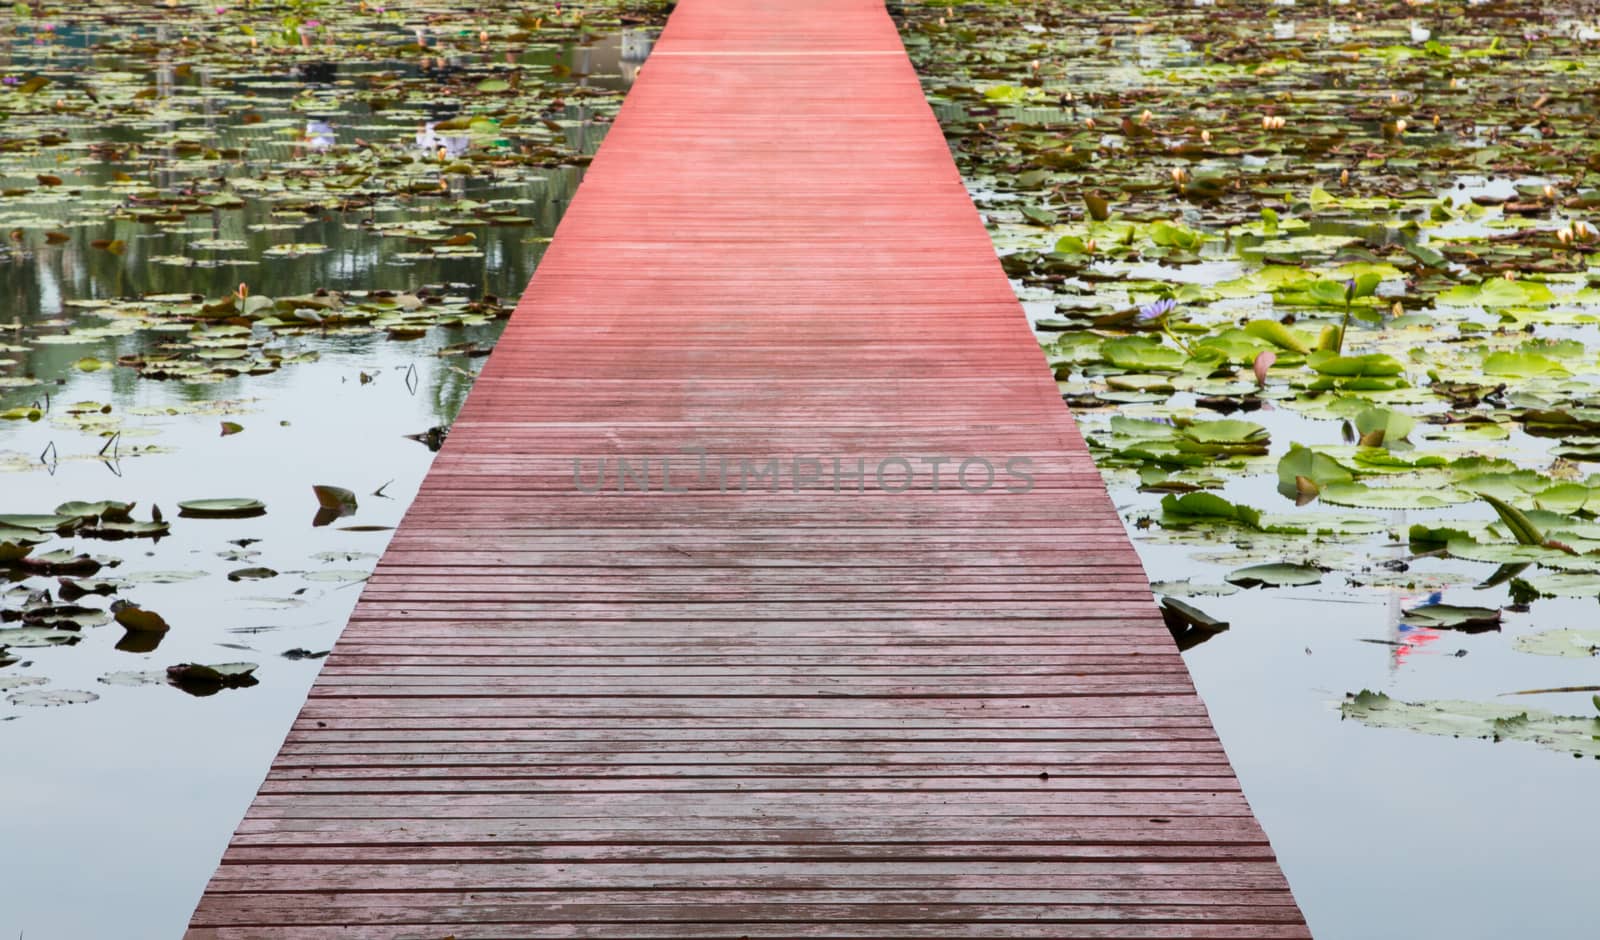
{"points": [[1264, 360]]}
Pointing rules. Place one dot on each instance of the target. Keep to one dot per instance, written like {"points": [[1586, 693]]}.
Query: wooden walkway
{"points": [[762, 714]]}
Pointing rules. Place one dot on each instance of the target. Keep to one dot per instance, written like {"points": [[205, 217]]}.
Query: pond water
{"points": [[117, 809]]}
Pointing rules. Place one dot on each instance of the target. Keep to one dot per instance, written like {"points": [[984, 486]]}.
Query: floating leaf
{"points": [[1496, 292], [1276, 575], [1144, 355], [1389, 427], [1373, 364], [1571, 644], [1191, 508], [1190, 616], [1278, 335], [204, 679], [138, 620], [105, 508], [1363, 496], [232, 508], [46, 698], [41, 523], [336, 498], [1304, 463], [1452, 617], [25, 637], [133, 678], [1522, 528], [1460, 719]]}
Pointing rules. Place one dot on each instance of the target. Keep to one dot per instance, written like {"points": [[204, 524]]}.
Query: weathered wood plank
{"points": [[777, 678]]}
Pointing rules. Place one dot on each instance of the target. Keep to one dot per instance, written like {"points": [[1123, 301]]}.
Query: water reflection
{"points": [[432, 143], [319, 136]]}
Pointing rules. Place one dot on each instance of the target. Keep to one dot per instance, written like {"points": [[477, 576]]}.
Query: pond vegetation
{"points": [[1301, 265]]}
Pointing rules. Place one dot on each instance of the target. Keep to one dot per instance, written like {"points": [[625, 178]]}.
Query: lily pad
{"points": [[47, 698], [204, 679], [10, 683], [1452, 617], [1462, 719], [1275, 575], [1571, 644], [133, 678], [230, 508], [1362, 496], [138, 620], [23, 637]]}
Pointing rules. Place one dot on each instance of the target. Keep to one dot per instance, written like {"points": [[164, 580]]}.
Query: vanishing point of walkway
{"points": [[837, 712]]}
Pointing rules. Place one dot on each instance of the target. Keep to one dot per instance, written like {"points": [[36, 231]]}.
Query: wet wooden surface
{"points": [[814, 709]]}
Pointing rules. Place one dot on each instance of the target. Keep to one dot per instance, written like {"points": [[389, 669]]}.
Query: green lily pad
{"points": [[40, 523], [1370, 365], [94, 510], [1452, 617], [1192, 508], [1142, 355], [1362, 496], [1496, 292], [1304, 463]]}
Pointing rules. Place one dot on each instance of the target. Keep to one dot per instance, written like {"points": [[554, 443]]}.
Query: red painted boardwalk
{"points": [[758, 714]]}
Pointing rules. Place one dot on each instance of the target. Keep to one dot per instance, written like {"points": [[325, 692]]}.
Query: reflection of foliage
{"points": [[193, 183], [448, 390]]}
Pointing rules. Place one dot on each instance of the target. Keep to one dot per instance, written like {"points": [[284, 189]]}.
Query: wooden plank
{"points": [[716, 696]]}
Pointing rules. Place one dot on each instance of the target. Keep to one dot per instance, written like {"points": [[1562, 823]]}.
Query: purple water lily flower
{"points": [[1156, 309]]}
